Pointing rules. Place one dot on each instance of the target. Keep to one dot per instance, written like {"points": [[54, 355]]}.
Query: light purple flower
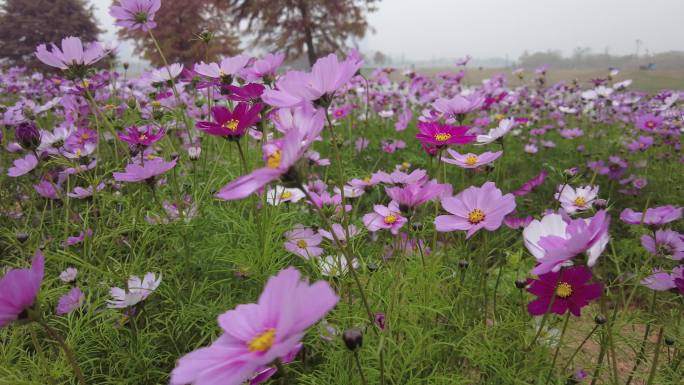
{"points": [[23, 166], [134, 14], [228, 67], [70, 301], [18, 289], [303, 242], [667, 243], [71, 54], [138, 173], [655, 216], [385, 218], [69, 274], [340, 232], [471, 160]]}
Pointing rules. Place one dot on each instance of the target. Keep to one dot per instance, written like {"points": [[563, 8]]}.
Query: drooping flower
{"points": [[531, 184], [303, 242], [655, 216], [569, 290], [28, 135], [255, 335], [69, 301], [19, 288], [335, 265], [573, 200], [553, 241], [135, 14], [441, 135], [22, 166], [385, 218], [505, 125], [667, 243], [139, 173], [142, 136], [72, 54], [471, 160], [138, 291], [231, 124], [475, 208]]}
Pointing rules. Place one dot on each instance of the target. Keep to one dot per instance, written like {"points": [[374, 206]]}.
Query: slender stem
{"points": [[560, 343], [496, 288], [640, 355], [358, 366], [656, 354], [71, 357], [242, 156], [569, 361], [284, 378], [599, 363]]}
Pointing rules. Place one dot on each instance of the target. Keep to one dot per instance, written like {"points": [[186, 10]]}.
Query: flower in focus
{"points": [[471, 160], [19, 288], [69, 301], [385, 217], [138, 290], [72, 55], [667, 243], [231, 124], [475, 208], [135, 14], [27, 135], [303, 242], [574, 200], [570, 288], [442, 134], [139, 173], [256, 335]]}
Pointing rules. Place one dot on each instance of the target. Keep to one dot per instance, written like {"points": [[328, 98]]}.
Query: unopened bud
{"points": [[353, 338]]}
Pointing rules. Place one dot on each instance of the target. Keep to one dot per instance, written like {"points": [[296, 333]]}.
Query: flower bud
{"points": [[27, 135], [22, 236], [521, 283], [669, 341], [353, 338], [600, 319], [600, 203], [463, 264], [372, 267]]}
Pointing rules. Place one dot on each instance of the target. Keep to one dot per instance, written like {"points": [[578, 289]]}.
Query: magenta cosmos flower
{"points": [[385, 218], [138, 173], [72, 53], [655, 216], [142, 136], [280, 156], [134, 14], [531, 184], [568, 289], [667, 243], [19, 288], [475, 208], [443, 134], [255, 335], [471, 160], [303, 242], [231, 124]]}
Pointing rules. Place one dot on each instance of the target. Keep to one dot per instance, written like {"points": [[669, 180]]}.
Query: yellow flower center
{"points": [[564, 290], [367, 179], [442, 137], [231, 124], [86, 83], [150, 156], [78, 152], [302, 244], [286, 195], [156, 104], [499, 116], [476, 216], [390, 219], [142, 137], [262, 342], [273, 160], [471, 159], [405, 165], [580, 201]]}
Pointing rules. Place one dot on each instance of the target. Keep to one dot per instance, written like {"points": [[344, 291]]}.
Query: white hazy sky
{"points": [[426, 29]]}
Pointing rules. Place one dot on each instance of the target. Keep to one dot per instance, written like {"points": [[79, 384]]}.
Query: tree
{"points": [[379, 58], [320, 26], [24, 24], [180, 26]]}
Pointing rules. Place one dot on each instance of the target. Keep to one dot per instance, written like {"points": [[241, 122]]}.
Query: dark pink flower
{"points": [[231, 124], [531, 184], [569, 289], [433, 133], [142, 136]]}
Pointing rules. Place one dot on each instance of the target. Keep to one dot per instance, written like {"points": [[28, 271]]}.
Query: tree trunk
{"points": [[308, 34]]}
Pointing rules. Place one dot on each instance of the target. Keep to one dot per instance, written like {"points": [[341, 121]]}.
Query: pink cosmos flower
{"points": [[662, 281], [570, 288], [573, 200], [142, 136], [22, 166], [327, 75], [415, 194], [48, 189], [649, 122], [303, 242], [139, 173], [385, 218], [441, 135], [554, 241], [458, 105], [340, 232], [70, 301], [88, 233], [403, 119], [255, 335], [231, 124], [655, 216], [475, 208], [528, 186], [19, 288], [280, 157], [417, 176], [134, 14], [667, 243], [83, 193], [264, 67], [471, 160], [72, 53], [228, 67]]}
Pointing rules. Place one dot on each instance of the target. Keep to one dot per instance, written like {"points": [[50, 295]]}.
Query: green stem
{"points": [[560, 343], [358, 366], [640, 355], [569, 361], [67, 351], [656, 355]]}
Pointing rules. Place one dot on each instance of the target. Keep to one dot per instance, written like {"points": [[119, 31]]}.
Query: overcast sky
{"points": [[426, 29]]}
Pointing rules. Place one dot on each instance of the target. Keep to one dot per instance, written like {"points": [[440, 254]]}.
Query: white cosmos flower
{"points": [[138, 290], [573, 200], [335, 265], [505, 125], [280, 194]]}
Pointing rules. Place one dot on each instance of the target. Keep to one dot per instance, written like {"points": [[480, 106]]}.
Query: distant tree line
{"points": [[584, 58]]}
